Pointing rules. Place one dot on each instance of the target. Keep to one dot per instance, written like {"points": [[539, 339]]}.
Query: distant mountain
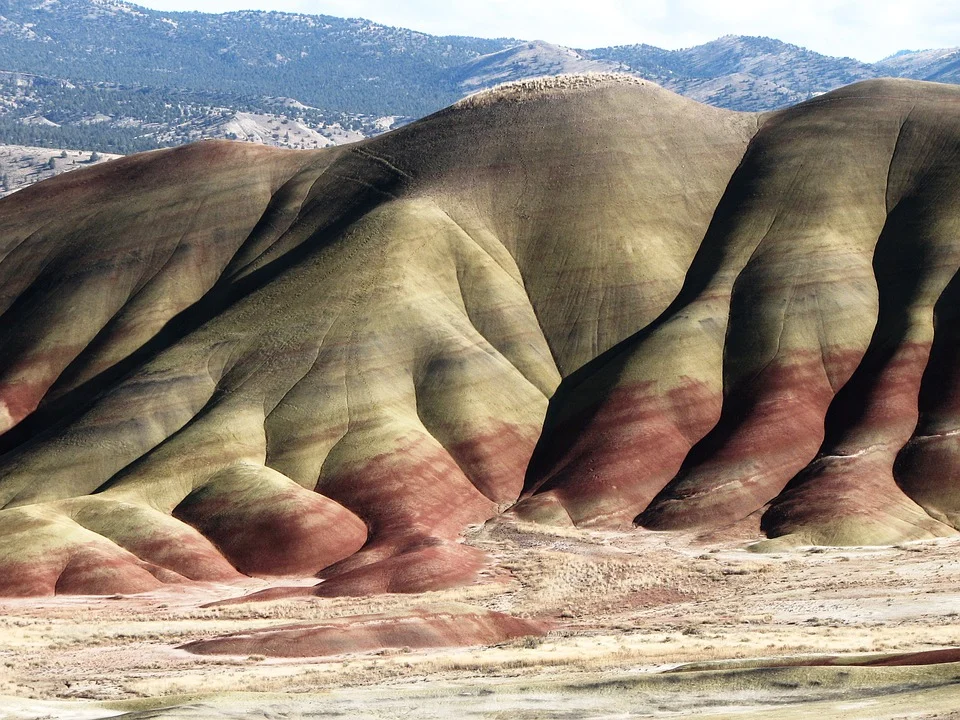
{"points": [[934, 65], [51, 112], [349, 65], [529, 60], [115, 77], [741, 73]]}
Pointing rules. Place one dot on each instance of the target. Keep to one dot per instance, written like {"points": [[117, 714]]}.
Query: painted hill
{"points": [[443, 626], [230, 359], [787, 370]]}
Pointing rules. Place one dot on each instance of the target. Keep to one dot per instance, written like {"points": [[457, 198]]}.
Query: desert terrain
{"points": [[639, 625]]}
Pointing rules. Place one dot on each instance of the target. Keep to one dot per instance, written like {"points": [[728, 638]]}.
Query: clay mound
{"points": [[788, 368], [227, 360], [266, 524], [429, 564], [285, 356], [452, 626]]}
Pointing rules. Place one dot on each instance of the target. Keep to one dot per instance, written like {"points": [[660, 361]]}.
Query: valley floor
{"points": [[626, 609]]}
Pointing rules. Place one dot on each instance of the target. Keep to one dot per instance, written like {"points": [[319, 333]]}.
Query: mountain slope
{"points": [[935, 65], [38, 110], [21, 166], [743, 73], [336, 64], [529, 60]]}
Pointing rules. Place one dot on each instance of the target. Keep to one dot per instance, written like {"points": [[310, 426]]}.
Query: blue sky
{"points": [[857, 28]]}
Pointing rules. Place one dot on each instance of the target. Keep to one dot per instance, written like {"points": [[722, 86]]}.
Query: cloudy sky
{"points": [[865, 29]]}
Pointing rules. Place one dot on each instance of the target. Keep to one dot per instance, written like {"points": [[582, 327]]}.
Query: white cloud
{"points": [[858, 28]]}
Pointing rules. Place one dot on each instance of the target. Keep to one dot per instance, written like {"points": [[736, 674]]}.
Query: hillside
{"points": [[936, 65], [528, 60], [784, 377], [44, 111], [354, 66], [351, 351]]}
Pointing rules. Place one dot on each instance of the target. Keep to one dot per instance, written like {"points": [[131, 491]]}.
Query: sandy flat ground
{"points": [[625, 607]]}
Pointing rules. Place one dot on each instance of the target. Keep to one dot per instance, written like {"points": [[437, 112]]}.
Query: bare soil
{"points": [[630, 610]]}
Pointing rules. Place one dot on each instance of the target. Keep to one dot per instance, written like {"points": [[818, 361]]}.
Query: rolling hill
{"points": [[577, 300]]}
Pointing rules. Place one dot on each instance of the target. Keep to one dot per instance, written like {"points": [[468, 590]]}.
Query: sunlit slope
{"points": [[808, 365], [225, 360]]}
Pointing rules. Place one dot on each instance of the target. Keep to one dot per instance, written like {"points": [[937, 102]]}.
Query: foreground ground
{"points": [[625, 609]]}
